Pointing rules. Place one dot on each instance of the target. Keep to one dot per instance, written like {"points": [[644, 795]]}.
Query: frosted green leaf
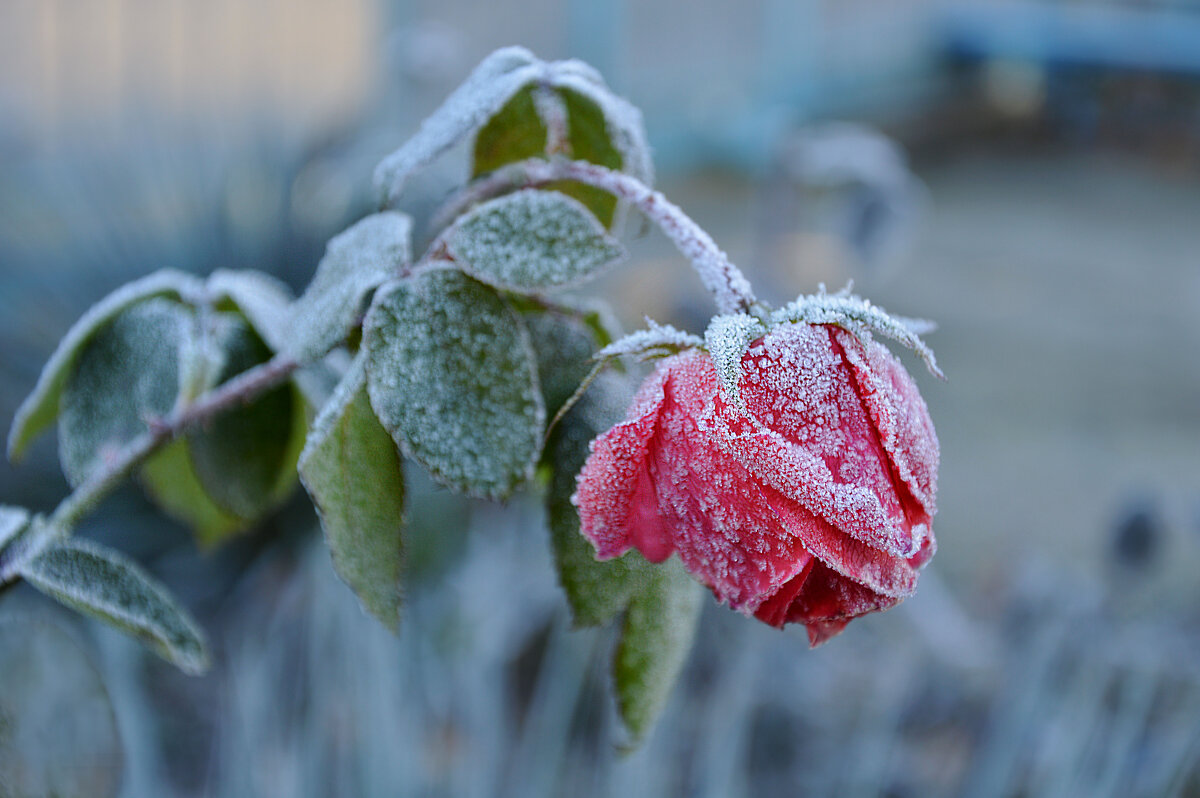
{"points": [[13, 521], [58, 733], [657, 340], [452, 377], [245, 457], [860, 317], [515, 133], [124, 376], [595, 590], [357, 261], [591, 105], [485, 91], [728, 338], [352, 470], [40, 408], [656, 639], [263, 300], [104, 584], [531, 240]]}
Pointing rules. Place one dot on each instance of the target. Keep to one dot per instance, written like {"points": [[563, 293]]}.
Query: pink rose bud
{"points": [[810, 501]]}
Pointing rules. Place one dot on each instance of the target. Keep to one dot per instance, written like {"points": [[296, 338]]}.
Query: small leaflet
{"points": [[858, 316], [58, 732], [40, 408], [13, 521], [452, 376], [485, 91], [530, 241], [727, 338], [104, 584], [352, 470], [657, 340], [127, 374], [656, 639], [596, 590], [357, 261]]}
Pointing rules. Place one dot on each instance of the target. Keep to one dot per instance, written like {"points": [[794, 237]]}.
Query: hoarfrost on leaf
{"points": [[357, 261], [262, 299], [352, 470], [106, 585], [452, 376], [860, 317], [13, 521], [657, 340], [497, 78], [530, 241], [40, 408], [126, 375], [727, 338]]}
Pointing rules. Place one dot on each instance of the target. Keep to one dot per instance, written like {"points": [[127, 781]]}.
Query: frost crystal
{"points": [[727, 338], [501, 75], [858, 316], [657, 340], [532, 240]]}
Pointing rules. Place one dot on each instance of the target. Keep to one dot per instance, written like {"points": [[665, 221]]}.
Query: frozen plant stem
{"points": [[240, 390], [729, 287]]}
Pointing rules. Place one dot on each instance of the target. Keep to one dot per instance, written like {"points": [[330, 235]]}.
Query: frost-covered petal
{"points": [[808, 435], [618, 507], [724, 531], [824, 601], [899, 413]]}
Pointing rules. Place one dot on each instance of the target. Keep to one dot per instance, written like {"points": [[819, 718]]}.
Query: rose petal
{"points": [[808, 435], [900, 415], [724, 531], [616, 499]]}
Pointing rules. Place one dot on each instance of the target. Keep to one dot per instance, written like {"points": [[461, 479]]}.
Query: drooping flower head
{"points": [[789, 461]]}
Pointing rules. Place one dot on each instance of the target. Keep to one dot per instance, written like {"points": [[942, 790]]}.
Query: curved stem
{"points": [[729, 287], [239, 390]]}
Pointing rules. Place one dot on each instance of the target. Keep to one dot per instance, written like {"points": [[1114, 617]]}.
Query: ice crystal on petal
{"points": [[532, 240], [860, 317], [656, 340], [727, 338], [497, 78]]}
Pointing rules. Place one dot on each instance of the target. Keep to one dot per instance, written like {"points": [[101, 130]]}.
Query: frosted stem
{"points": [[725, 281], [239, 390]]}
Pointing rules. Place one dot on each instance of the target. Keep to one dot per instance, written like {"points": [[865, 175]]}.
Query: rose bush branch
{"points": [[238, 391], [725, 281]]}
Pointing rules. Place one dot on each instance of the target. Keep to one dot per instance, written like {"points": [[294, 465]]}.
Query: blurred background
{"points": [[1026, 174]]}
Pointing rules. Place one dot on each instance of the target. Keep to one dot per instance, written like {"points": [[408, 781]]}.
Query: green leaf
{"points": [[352, 470], [170, 479], [590, 140], [515, 133], [245, 458], [531, 240], [451, 376], [356, 262], [58, 733], [104, 584], [13, 521], [656, 638], [485, 91], [125, 375], [596, 590], [40, 408]]}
